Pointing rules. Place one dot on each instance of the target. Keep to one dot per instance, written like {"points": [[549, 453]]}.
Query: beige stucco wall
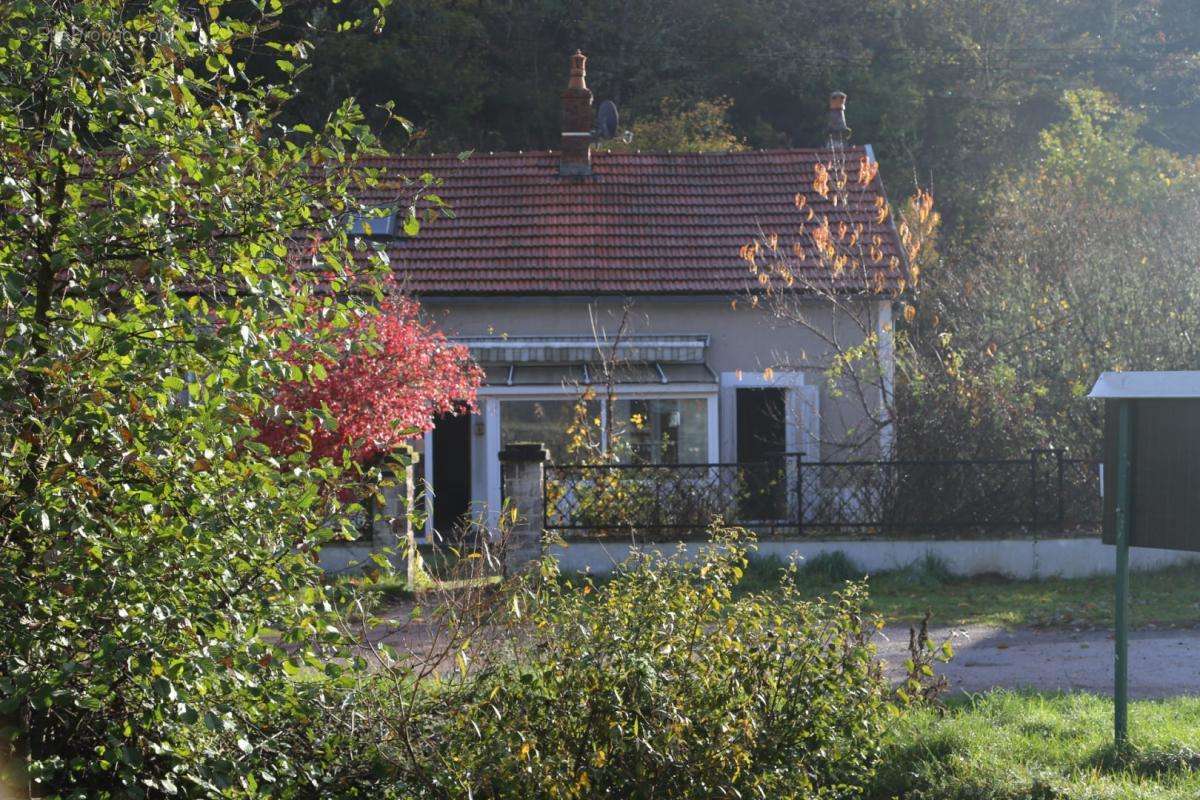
{"points": [[741, 338]]}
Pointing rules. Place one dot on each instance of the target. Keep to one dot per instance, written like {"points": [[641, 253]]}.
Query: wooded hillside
{"points": [[948, 91]]}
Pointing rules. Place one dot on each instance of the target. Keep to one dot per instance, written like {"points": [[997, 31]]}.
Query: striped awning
{"points": [[592, 374]]}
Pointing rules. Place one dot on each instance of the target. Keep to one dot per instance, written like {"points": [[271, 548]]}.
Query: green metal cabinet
{"points": [[1164, 472], [1151, 486]]}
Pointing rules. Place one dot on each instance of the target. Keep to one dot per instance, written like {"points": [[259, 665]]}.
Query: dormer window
{"points": [[373, 223]]}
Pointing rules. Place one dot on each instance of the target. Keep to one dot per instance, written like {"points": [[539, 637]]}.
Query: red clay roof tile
{"points": [[641, 223]]}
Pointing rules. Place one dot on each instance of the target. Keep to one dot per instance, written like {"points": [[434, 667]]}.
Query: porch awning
{"points": [[595, 374], [644, 348], [580, 360]]}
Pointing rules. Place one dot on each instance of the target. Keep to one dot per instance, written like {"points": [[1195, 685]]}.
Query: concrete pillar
{"points": [[523, 472], [400, 510]]}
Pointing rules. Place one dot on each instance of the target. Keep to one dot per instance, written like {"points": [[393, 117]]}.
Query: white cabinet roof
{"points": [[1119, 385]]}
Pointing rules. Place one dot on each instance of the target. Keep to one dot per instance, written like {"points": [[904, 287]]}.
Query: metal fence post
{"points": [[800, 494], [657, 501]]}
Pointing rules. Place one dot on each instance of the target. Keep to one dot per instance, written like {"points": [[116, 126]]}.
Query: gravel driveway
{"points": [[1162, 662]]}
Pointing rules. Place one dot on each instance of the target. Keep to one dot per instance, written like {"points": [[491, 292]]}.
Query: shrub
{"points": [[928, 572], [834, 566], [159, 596], [660, 684]]}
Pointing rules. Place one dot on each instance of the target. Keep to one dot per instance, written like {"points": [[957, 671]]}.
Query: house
{"points": [[549, 252]]}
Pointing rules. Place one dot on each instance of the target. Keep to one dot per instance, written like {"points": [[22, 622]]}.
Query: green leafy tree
{"points": [[1087, 263], [700, 128], [952, 93], [160, 591]]}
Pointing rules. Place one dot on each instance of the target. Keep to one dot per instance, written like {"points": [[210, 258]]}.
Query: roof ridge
{"points": [[528, 154]]}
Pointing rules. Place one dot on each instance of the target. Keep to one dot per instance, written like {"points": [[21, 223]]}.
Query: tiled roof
{"points": [[642, 223]]}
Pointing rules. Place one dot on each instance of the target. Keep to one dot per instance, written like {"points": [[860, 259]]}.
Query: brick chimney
{"points": [[576, 151], [838, 131]]}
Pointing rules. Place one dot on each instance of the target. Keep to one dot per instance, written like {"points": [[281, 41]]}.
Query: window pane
{"points": [[663, 431], [544, 421]]}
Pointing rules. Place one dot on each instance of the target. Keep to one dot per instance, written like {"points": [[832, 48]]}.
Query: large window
{"points": [[663, 431], [649, 430], [546, 421]]}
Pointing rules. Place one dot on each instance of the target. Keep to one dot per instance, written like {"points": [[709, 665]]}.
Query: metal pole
{"points": [[1123, 512], [546, 478], [799, 494]]}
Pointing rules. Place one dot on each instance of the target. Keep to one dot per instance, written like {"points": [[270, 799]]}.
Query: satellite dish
{"points": [[606, 120]]}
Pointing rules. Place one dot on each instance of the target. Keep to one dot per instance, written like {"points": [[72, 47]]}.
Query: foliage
{"points": [[611, 501], [950, 92], [833, 566], [160, 600], [854, 273], [1011, 746], [1087, 265], [658, 683], [608, 486], [930, 571], [701, 128], [388, 376]]}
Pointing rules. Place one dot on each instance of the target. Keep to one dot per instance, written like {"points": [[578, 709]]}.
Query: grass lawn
{"points": [[1163, 597], [1011, 746]]}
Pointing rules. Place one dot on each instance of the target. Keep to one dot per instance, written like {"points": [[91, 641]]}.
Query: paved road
{"points": [[1162, 663]]}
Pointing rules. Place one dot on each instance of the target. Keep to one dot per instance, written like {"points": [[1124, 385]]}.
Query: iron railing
{"points": [[790, 495]]}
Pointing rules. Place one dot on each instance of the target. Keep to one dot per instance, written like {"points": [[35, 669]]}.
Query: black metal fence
{"points": [[1048, 491]]}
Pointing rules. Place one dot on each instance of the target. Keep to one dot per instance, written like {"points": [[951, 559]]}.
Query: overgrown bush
{"points": [[930, 571], [162, 625], [660, 684], [832, 565]]}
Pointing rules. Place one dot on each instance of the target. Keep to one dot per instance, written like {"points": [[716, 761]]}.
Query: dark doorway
{"points": [[761, 443], [451, 473]]}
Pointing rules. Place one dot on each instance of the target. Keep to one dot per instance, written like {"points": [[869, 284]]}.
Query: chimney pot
{"points": [[575, 157], [838, 131], [578, 71]]}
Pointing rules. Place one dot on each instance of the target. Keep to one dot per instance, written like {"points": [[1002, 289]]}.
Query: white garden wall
{"points": [[1015, 558]]}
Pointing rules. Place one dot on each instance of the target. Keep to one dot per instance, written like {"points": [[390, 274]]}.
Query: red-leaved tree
{"points": [[385, 379]]}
